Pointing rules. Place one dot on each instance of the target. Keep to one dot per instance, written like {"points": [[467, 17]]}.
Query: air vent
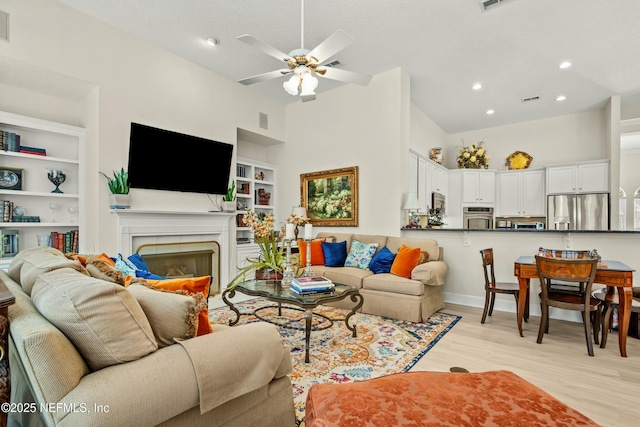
{"points": [[334, 63], [4, 26], [490, 4], [531, 98]]}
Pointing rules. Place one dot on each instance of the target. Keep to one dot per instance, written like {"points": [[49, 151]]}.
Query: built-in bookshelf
{"points": [[30, 208], [255, 190]]}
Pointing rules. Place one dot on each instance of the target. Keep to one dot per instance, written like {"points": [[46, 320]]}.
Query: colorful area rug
{"points": [[383, 346]]}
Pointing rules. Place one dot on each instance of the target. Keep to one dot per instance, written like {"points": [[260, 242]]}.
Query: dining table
{"points": [[614, 274]]}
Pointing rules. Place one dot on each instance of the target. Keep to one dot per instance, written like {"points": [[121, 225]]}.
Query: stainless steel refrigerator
{"points": [[578, 212]]}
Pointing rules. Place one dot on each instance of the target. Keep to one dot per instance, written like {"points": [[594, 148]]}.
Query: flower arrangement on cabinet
{"points": [[473, 156]]}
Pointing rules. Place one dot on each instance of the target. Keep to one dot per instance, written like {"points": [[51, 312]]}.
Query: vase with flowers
{"points": [[271, 262], [297, 218], [473, 156]]}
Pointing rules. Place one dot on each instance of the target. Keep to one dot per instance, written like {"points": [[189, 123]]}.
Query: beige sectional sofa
{"points": [[386, 294], [106, 375]]}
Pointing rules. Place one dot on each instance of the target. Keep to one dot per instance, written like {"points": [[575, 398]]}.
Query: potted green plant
{"points": [[119, 187], [228, 200]]}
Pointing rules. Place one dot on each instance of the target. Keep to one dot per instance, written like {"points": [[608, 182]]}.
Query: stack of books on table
{"points": [[309, 285]]}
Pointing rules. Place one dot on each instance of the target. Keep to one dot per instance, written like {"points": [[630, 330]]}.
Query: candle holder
{"points": [[307, 269], [287, 276]]}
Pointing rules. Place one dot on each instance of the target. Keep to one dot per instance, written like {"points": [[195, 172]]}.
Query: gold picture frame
{"points": [[331, 196]]}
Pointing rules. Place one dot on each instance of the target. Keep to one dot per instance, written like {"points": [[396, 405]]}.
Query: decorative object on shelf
{"points": [[11, 178], [473, 156], [57, 177], [298, 217], [228, 200], [518, 160], [412, 206], [263, 197], [331, 196], [10, 243], [241, 204], [260, 176], [119, 187], [44, 239], [53, 207], [272, 253], [437, 155], [73, 210]]}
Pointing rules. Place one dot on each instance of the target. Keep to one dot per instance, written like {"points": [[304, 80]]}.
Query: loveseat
{"points": [[413, 298], [108, 368]]}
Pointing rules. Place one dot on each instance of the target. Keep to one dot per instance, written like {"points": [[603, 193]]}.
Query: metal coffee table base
{"points": [[305, 305]]}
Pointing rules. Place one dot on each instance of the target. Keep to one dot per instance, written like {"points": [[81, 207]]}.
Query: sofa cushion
{"points": [[30, 263], [371, 238], [429, 245], [406, 260], [102, 319], [387, 282], [334, 253], [350, 276], [360, 254], [171, 314], [191, 285], [317, 254], [336, 237], [382, 261]]}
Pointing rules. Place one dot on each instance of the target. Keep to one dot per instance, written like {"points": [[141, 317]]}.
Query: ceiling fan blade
{"points": [[263, 77], [345, 76], [260, 45], [331, 45]]}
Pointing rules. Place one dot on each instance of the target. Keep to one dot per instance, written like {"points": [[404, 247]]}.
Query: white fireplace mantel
{"points": [[138, 227]]}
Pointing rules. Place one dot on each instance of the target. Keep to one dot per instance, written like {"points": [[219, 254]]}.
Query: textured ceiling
{"points": [[445, 46]]}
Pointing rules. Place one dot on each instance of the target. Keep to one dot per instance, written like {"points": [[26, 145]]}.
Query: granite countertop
{"points": [[522, 230]]}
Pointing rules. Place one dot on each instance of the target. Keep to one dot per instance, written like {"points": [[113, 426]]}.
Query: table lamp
{"points": [[412, 206]]}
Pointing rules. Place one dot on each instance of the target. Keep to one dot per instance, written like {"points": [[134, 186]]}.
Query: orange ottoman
{"points": [[494, 398]]}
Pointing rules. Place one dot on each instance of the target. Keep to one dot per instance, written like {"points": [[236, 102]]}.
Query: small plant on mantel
{"points": [[228, 199], [119, 187]]}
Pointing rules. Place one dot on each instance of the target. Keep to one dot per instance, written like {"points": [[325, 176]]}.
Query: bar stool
{"points": [[609, 306]]}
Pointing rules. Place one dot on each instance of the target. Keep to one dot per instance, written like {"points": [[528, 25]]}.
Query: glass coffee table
{"points": [[275, 292]]}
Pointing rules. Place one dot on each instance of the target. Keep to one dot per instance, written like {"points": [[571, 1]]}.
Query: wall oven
{"points": [[477, 218]]}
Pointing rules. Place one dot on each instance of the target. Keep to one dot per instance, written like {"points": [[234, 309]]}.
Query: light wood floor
{"points": [[605, 388]]}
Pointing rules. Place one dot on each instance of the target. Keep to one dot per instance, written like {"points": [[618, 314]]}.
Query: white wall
{"points": [[561, 139], [351, 126], [131, 81], [425, 133]]}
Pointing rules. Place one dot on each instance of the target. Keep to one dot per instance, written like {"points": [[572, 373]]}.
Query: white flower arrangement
{"points": [[473, 156]]}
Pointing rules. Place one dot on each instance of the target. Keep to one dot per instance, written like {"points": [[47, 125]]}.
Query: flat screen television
{"points": [[165, 160]]}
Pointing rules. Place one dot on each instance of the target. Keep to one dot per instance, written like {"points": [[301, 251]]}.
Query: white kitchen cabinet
{"points": [[521, 193], [439, 179], [586, 177], [423, 185], [478, 188]]}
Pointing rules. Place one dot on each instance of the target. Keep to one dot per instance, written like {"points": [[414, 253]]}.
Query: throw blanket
{"points": [[237, 370]]}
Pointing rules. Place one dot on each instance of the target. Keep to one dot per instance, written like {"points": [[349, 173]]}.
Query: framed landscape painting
{"points": [[331, 196]]}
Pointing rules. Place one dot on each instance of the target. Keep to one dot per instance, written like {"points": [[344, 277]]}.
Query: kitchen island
{"points": [[465, 280]]}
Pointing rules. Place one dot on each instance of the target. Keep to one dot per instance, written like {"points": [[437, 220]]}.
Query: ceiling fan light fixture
{"points": [[308, 85], [291, 85]]}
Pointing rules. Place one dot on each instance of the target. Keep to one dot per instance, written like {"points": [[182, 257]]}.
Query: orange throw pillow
{"points": [[191, 285], [317, 255], [406, 260]]}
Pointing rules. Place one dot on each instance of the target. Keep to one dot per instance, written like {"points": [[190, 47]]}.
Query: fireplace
{"points": [[184, 259], [209, 234]]}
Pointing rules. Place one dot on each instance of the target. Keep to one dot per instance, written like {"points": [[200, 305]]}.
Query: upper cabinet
{"points": [[586, 177], [426, 177], [478, 188], [521, 193]]}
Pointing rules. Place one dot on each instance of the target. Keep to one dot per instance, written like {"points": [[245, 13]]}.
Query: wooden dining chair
{"points": [[607, 311], [491, 287], [581, 271]]}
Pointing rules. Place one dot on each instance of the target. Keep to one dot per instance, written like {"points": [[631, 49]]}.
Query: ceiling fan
{"points": [[304, 64]]}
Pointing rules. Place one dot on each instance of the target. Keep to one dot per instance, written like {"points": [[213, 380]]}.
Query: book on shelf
{"points": [[308, 282], [312, 289], [10, 141], [33, 150], [65, 241]]}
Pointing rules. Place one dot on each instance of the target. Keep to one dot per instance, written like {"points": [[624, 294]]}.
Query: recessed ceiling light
{"points": [[489, 112], [476, 86], [565, 64], [561, 98], [212, 41]]}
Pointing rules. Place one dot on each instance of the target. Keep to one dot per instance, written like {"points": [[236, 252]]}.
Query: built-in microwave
{"points": [[477, 218]]}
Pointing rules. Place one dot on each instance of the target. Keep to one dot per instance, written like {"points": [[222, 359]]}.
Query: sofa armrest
{"points": [[164, 384], [431, 273]]}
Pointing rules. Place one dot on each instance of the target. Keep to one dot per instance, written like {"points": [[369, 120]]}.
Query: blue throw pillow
{"points": [[146, 275], [137, 260], [382, 261], [334, 253]]}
